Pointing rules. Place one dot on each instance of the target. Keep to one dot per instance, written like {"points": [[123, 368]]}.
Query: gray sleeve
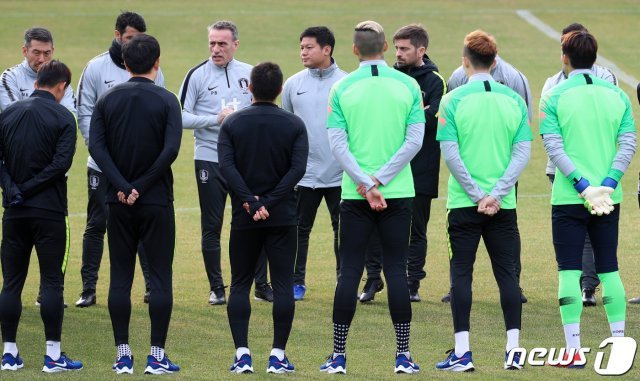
{"points": [[554, 146], [626, 150], [340, 148], [520, 84], [520, 155], [9, 91], [286, 97], [451, 154], [457, 79], [160, 79], [86, 102], [551, 169], [402, 157], [190, 120], [69, 101]]}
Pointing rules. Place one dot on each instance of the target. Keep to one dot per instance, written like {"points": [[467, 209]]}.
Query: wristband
{"points": [[609, 182], [581, 185]]}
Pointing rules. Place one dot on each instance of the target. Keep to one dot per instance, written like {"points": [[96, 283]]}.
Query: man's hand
{"points": [[133, 197], [376, 200], [362, 189], [223, 114], [488, 205], [122, 198], [598, 200], [247, 207], [261, 214]]}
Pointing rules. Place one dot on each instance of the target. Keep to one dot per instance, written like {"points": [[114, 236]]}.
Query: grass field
{"points": [[199, 337]]}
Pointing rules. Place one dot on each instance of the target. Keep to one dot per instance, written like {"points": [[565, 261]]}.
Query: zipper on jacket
{"points": [[227, 75]]}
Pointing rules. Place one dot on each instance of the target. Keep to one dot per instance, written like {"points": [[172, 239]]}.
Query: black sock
{"points": [[403, 331]]}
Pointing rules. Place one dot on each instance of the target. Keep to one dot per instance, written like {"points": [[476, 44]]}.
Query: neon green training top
{"points": [[486, 119], [375, 104], [589, 117]]}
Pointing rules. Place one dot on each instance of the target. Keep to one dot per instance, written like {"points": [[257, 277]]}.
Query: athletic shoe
{"points": [[62, 364], [298, 291], [588, 297], [446, 298], [145, 298], [371, 288], [217, 297], [570, 364], [523, 299], [635, 300], [335, 365], [405, 365], [160, 367], [87, 299], [413, 292], [11, 363], [277, 366], [39, 299], [263, 292], [456, 364], [123, 364], [242, 365], [515, 363]]}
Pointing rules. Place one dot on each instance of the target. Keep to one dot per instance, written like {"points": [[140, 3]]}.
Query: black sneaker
{"points": [[145, 298], [413, 292], [217, 297], [371, 287], [523, 298], [87, 299], [588, 297], [264, 292], [446, 298], [39, 299]]}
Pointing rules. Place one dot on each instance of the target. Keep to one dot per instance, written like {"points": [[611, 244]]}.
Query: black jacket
{"points": [[37, 144], [425, 166], [263, 152], [136, 130]]}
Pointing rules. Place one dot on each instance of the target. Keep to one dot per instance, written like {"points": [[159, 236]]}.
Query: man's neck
{"points": [[150, 76]]}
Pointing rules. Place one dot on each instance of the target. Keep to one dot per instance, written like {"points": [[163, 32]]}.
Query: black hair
{"points": [[266, 81], [131, 19], [141, 53], [323, 35], [50, 74]]}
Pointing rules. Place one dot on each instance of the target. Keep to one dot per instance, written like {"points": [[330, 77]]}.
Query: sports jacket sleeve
{"points": [[69, 100], [86, 101], [451, 154], [286, 97], [189, 98], [169, 153], [402, 157], [9, 91], [100, 153], [60, 164]]}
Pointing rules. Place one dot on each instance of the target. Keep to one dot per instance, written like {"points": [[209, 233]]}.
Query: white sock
{"points": [[462, 343], [513, 339], [241, 351], [617, 328], [124, 350], [572, 335], [157, 352], [10, 348], [336, 354], [406, 354], [279, 353], [53, 350]]}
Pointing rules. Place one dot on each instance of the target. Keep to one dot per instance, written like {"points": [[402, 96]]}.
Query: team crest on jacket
{"points": [[204, 176], [244, 85], [94, 182]]}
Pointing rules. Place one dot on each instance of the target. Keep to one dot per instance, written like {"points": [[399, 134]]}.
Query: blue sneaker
{"points": [[11, 363], [160, 367], [455, 363], [242, 365], [515, 363], [277, 366], [123, 364], [62, 364], [335, 365], [298, 291], [405, 365]]}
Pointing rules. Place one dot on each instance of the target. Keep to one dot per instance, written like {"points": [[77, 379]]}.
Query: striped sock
{"points": [[340, 332], [403, 331]]}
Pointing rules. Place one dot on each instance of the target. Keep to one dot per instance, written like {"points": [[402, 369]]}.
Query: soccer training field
{"points": [[199, 337]]}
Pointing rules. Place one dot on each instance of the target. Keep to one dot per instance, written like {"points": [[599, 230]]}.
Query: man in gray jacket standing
{"points": [[306, 94], [211, 91]]}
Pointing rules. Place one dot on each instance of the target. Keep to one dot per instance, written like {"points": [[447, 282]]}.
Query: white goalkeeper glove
{"points": [[598, 199]]}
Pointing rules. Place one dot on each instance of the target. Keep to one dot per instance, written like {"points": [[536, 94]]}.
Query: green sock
{"points": [[570, 296], [613, 296]]}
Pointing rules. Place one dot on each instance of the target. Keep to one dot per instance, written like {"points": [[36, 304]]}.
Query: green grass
{"points": [[199, 337]]}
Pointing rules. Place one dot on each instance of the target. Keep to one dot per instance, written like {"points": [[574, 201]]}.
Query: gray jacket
{"points": [[306, 94]]}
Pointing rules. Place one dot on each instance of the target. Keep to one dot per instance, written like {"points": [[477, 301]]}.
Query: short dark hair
{"points": [[266, 81], [581, 48], [368, 37], [480, 48], [573, 27], [140, 53], [323, 35], [38, 34], [131, 19], [225, 24], [52, 73], [415, 33]]}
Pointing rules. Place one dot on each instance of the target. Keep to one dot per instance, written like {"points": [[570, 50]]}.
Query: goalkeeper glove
{"points": [[598, 199]]}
